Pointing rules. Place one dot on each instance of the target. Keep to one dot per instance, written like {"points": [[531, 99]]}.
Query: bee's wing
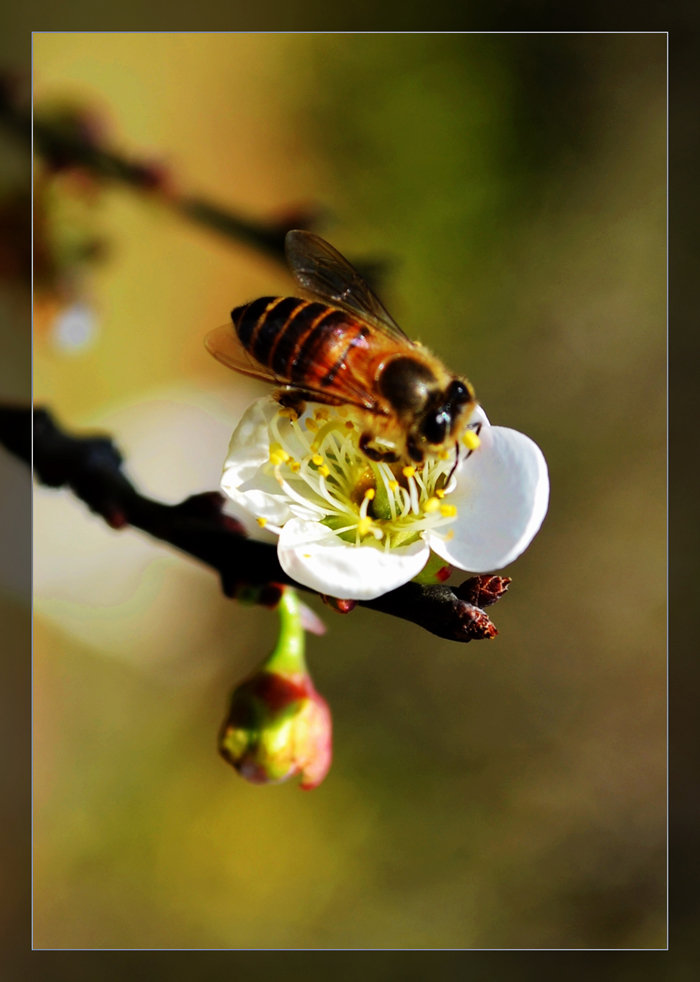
{"points": [[225, 345], [324, 273]]}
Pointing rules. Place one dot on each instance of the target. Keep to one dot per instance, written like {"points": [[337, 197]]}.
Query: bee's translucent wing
{"points": [[224, 344], [324, 273]]}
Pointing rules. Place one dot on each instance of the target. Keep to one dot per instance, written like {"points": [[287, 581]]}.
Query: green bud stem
{"points": [[287, 657]]}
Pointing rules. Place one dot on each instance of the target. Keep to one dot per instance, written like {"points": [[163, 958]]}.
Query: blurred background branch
{"points": [[71, 138]]}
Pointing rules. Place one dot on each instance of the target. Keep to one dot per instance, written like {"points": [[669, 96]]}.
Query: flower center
{"points": [[318, 463]]}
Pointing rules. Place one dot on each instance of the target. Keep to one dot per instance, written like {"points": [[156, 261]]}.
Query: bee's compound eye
{"points": [[435, 427], [458, 393]]}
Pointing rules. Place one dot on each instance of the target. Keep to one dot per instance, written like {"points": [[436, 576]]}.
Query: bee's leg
{"points": [[374, 453], [291, 399]]}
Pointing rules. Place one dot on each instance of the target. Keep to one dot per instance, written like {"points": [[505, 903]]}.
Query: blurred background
{"points": [[498, 795]]}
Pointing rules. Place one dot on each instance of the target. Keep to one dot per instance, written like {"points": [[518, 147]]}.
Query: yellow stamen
{"points": [[374, 502], [364, 525], [278, 455], [471, 440], [262, 522]]}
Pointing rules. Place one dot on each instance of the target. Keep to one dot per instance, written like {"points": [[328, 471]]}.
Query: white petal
{"points": [[478, 416], [314, 555], [252, 433], [501, 497], [244, 478]]}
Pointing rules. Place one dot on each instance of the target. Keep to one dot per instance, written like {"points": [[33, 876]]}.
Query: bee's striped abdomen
{"points": [[303, 341], [261, 324]]}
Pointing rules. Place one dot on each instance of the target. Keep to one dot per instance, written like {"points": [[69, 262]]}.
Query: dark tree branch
{"points": [[92, 467]]}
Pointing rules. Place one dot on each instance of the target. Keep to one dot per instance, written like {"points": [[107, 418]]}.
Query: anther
{"points": [[470, 440], [278, 455], [364, 526]]}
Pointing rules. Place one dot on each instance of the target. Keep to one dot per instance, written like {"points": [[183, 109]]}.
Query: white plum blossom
{"points": [[354, 528]]}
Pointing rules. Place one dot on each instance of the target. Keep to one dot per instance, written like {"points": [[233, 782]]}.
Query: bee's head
{"points": [[442, 420]]}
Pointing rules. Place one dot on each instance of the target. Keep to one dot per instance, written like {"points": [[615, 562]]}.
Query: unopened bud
{"points": [[278, 725]]}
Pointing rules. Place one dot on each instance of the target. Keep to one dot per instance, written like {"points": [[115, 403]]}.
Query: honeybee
{"points": [[341, 347]]}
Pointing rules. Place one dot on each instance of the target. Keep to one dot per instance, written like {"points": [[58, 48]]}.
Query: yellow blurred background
{"points": [[497, 795]]}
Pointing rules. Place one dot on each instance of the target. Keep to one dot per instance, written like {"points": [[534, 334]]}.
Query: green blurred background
{"points": [[500, 795]]}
